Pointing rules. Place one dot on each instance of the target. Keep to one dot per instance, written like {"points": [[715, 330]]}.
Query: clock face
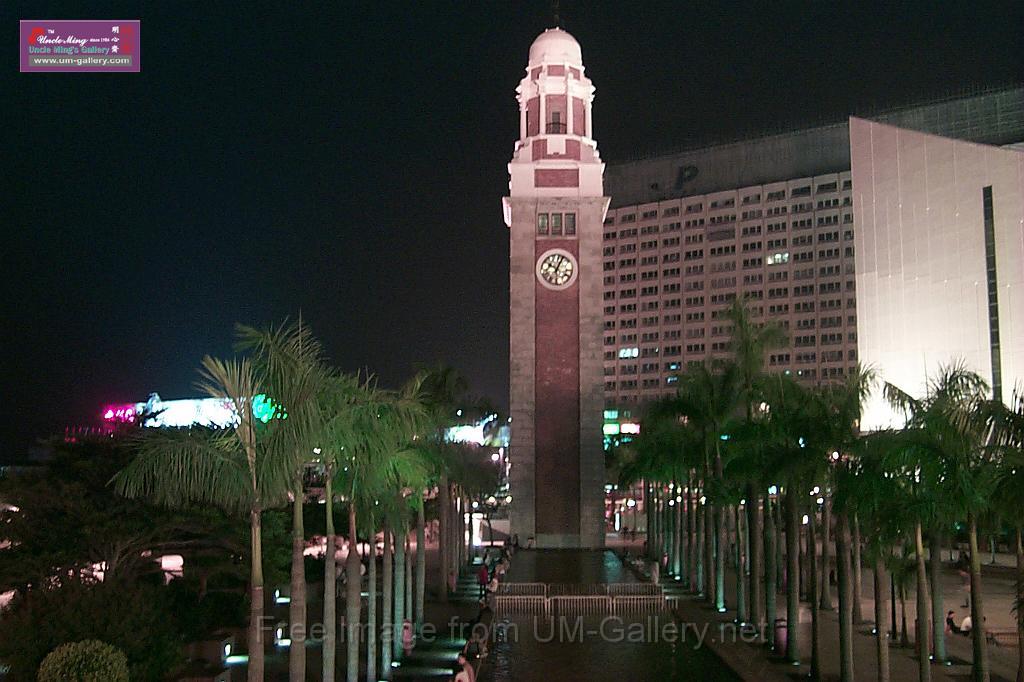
{"points": [[556, 269]]}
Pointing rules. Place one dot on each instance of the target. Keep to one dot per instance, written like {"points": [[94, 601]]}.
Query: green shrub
{"points": [[86, 661], [137, 619]]}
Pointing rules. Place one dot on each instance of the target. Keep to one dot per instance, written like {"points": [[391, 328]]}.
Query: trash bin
{"points": [[781, 634]]}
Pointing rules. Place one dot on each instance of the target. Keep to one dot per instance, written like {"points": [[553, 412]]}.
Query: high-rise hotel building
{"points": [[771, 221]]}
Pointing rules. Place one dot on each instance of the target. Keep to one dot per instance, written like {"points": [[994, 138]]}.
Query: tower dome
{"points": [[556, 45]]}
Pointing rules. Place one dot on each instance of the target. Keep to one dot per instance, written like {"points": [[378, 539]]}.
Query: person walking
{"points": [[481, 579]]}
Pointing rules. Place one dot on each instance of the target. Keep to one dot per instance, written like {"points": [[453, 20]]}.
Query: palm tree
{"points": [[867, 489], [239, 469], [706, 400], [749, 343], [794, 447], [444, 391], [946, 444], [1007, 422], [382, 460], [843, 402], [296, 375]]}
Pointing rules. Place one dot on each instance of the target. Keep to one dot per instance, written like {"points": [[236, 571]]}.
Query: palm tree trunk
{"points": [[387, 627], [700, 558], [652, 519], [755, 557], [668, 509], [923, 614], [721, 537], [677, 535], [691, 524], [771, 573], [812, 573], [793, 579], [938, 610], [710, 582], [443, 534], [456, 512], [648, 519], [398, 607], [1020, 606], [463, 536], [904, 633], [742, 614], [255, 644], [804, 562], [330, 585], [979, 667], [408, 578], [826, 553], [371, 607], [352, 597], [687, 549], [881, 618], [844, 571], [662, 525], [858, 597], [297, 605], [421, 563]]}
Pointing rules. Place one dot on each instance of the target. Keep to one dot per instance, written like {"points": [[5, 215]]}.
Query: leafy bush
{"points": [[137, 619], [86, 661]]}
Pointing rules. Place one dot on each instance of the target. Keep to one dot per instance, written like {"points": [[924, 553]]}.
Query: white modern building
{"points": [[939, 235]]}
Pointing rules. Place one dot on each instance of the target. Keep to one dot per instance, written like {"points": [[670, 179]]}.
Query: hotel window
{"points": [[542, 223], [570, 223]]}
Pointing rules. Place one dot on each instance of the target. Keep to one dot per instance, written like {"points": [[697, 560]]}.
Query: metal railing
{"points": [[540, 589], [638, 603], [581, 599], [580, 605], [634, 588], [521, 603]]}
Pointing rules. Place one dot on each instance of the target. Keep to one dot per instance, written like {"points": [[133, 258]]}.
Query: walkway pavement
{"points": [[602, 646], [755, 662]]}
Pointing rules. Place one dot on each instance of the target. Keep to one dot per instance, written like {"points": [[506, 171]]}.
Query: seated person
{"points": [[951, 626]]}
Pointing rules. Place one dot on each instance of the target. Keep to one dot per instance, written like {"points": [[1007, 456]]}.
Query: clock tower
{"points": [[555, 213]]}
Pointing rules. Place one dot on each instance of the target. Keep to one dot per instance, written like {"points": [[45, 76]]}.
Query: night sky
{"points": [[348, 160]]}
